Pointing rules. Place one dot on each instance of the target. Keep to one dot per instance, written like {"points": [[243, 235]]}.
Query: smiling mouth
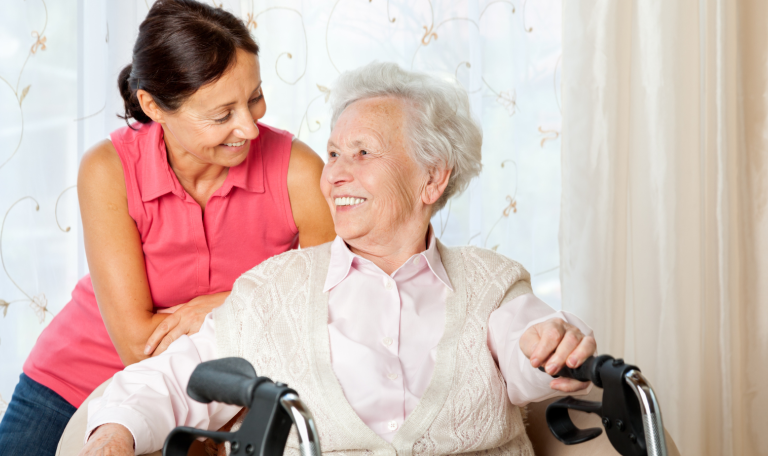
{"points": [[348, 201], [237, 144]]}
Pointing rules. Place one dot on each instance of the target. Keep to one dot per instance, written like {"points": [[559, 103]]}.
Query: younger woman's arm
{"points": [[115, 257], [310, 209]]}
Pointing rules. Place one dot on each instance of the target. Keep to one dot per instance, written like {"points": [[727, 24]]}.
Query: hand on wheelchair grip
{"points": [[554, 344]]}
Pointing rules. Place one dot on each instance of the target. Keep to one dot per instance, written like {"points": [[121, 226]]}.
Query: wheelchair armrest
{"points": [[545, 444]]}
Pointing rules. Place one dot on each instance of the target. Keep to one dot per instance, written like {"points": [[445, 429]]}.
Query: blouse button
{"points": [[387, 341], [388, 284], [392, 376], [392, 425]]}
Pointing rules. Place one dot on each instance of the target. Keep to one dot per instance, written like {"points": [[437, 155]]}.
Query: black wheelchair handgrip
{"points": [[581, 373], [226, 380], [589, 371]]}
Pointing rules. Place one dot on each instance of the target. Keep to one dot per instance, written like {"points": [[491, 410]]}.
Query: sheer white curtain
{"points": [[664, 235], [506, 53], [38, 163], [58, 95]]}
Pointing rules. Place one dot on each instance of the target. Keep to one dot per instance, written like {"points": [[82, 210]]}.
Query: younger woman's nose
{"points": [[247, 128]]}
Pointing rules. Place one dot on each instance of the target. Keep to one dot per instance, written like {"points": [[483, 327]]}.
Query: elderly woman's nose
{"points": [[339, 172], [246, 127]]}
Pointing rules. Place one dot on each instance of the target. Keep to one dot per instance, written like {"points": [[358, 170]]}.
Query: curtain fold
{"points": [[664, 232]]}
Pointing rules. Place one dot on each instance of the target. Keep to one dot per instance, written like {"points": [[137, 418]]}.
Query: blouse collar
{"points": [[342, 259]]}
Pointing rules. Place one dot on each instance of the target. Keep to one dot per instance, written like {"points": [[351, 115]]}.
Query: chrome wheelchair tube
{"points": [[309, 440], [653, 426]]}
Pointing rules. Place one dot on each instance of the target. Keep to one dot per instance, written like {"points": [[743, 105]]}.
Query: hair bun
{"points": [[128, 92]]}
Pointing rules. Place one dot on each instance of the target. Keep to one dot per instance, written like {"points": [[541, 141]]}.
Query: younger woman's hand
{"points": [[183, 319], [555, 344]]}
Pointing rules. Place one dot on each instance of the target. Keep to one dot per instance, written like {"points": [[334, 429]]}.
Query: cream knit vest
{"points": [[277, 318]]}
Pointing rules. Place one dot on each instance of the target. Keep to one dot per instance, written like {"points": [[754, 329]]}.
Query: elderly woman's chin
{"points": [[351, 225]]}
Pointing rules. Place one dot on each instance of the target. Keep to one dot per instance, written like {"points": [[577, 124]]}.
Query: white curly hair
{"points": [[440, 128]]}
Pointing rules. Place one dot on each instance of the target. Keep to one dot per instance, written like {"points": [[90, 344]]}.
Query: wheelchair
{"points": [[629, 410]]}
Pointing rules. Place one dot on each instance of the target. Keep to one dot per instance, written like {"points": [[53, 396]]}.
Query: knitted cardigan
{"points": [[277, 318]]}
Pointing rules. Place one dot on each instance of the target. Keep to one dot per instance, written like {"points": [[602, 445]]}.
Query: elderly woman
{"points": [[397, 343]]}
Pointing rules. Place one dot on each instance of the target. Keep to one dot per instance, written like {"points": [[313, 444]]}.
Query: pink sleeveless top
{"points": [[187, 254]]}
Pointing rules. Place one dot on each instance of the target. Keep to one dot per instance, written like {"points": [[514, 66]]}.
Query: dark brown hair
{"points": [[182, 46]]}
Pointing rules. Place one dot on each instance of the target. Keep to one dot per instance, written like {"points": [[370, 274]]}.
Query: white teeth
{"points": [[237, 144], [348, 201]]}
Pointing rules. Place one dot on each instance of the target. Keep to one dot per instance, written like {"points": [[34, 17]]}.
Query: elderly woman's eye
{"points": [[363, 152], [333, 154]]}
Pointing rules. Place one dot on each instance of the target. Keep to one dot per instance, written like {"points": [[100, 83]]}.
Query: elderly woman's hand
{"points": [[554, 344], [109, 440], [184, 319]]}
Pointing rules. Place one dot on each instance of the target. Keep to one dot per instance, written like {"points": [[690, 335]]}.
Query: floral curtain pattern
{"points": [[59, 63], [38, 165]]}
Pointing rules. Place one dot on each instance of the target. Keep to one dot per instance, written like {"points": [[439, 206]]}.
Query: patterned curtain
{"points": [[58, 68]]}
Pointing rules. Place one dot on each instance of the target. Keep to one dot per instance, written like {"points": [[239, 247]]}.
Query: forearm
{"points": [[506, 326], [150, 333], [127, 309], [130, 339], [149, 398]]}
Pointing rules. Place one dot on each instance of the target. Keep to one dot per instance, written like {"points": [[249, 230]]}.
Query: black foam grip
{"points": [[227, 380], [584, 373], [581, 373]]}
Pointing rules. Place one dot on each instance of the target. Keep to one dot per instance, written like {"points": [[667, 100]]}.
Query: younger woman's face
{"points": [[218, 122]]}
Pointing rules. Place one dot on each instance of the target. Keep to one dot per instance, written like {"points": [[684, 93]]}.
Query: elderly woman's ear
{"points": [[438, 181]]}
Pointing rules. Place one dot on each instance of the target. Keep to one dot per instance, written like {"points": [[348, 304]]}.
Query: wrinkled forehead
{"points": [[374, 121]]}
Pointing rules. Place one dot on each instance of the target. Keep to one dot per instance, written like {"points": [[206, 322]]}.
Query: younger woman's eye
{"points": [[255, 100], [224, 119]]}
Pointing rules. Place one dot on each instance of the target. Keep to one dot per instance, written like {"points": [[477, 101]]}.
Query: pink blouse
{"points": [[383, 331], [187, 253]]}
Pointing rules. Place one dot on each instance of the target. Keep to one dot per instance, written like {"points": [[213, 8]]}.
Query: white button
{"points": [[387, 341], [392, 425], [417, 260], [392, 376], [388, 284]]}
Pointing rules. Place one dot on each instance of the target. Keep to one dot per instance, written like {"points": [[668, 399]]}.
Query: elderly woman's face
{"points": [[217, 123], [370, 181]]}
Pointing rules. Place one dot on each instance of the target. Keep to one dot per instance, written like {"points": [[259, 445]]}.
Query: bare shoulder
{"points": [[101, 175], [304, 163], [311, 213], [101, 164]]}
